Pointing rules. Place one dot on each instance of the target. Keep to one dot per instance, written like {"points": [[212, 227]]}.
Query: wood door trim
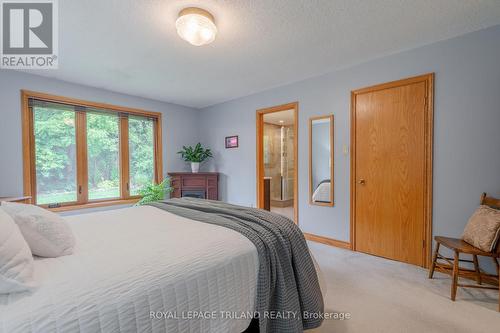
{"points": [[428, 79], [327, 241], [259, 152]]}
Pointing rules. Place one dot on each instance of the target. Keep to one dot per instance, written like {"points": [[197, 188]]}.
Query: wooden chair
{"points": [[459, 246]]}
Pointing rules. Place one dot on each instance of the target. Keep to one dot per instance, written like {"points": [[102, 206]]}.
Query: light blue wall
{"points": [[180, 124], [466, 142]]}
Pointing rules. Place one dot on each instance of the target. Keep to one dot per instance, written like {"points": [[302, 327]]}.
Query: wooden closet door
{"points": [[389, 179]]}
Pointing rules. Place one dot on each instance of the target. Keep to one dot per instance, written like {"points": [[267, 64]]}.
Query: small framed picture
{"points": [[232, 141]]}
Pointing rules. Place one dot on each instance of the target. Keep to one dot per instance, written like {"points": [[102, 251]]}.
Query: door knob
{"points": [[362, 182]]}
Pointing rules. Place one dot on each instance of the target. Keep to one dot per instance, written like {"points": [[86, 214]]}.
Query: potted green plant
{"points": [[195, 155], [154, 192]]}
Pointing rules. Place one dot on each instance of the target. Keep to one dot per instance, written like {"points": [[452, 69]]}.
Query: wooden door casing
{"points": [[259, 125], [391, 170]]}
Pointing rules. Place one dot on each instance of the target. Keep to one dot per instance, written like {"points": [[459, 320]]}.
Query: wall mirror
{"points": [[321, 160]]}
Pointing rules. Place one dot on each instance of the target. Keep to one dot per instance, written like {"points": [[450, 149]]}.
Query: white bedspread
{"points": [[131, 261], [322, 193]]}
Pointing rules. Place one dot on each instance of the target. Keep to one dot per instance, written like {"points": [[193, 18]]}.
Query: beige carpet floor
{"points": [[387, 296]]}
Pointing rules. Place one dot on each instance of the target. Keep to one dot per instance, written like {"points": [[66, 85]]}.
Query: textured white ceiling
{"points": [[131, 46]]}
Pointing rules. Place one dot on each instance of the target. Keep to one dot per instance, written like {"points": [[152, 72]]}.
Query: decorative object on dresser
{"points": [[195, 155], [204, 185]]}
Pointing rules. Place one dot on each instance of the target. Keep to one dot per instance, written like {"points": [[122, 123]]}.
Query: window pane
{"points": [[55, 154], [141, 151], [103, 154]]}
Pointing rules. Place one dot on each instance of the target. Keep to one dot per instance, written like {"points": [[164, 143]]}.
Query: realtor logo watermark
{"points": [[29, 37]]}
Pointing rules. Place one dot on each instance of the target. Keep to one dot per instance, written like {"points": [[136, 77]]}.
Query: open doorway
{"points": [[277, 160]]}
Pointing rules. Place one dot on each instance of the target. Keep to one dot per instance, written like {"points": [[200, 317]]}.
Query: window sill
{"points": [[95, 205]]}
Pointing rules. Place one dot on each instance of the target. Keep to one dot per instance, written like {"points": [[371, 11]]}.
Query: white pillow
{"points": [[16, 261], [47, 234]]}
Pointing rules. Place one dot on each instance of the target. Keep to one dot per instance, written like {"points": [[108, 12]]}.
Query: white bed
{"points": [[322, 192], [131, 261]]}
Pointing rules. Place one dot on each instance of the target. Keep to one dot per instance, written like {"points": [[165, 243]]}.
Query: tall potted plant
{"points": [[195, 155]]}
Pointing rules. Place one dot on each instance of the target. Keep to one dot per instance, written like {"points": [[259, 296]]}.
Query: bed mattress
{"points": [[322, 193], [140, 269]]}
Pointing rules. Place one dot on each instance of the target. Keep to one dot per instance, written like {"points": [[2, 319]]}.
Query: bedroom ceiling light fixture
{"points": [[196, 26]]}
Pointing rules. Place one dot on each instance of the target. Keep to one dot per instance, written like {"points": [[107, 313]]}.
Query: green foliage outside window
{"points": [[103, 154], [141, 151], [55, 151], [55, 154]]}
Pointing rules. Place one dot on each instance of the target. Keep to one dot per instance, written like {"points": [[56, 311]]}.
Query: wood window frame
{"points": [[28, 141]]}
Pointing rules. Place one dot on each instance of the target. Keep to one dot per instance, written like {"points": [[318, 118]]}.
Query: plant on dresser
{"points": [[195, 155]]}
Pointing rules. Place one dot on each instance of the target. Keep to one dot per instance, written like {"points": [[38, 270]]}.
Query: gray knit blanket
{"points": [[287, 289]]}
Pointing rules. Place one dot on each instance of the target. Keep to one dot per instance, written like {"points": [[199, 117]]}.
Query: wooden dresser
{"points": [[203, 185]]}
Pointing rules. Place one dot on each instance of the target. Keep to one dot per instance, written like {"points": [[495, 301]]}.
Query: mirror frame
{"points": [[332, 182]]}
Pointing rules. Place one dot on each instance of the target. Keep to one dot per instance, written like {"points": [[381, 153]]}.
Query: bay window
{"points": [[79, 153]]}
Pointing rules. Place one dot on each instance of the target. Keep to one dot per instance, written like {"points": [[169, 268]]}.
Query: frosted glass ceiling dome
{"points": [[196, 26]]}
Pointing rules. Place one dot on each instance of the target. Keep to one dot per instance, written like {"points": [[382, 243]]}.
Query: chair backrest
{"points": [[493, 203], [490, 201]]}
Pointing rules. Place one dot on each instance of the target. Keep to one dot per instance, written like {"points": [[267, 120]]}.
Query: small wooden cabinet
{"points": [[203, 185]]}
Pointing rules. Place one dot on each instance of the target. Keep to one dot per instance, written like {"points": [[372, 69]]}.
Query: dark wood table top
{"points": [[194, 173]]}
